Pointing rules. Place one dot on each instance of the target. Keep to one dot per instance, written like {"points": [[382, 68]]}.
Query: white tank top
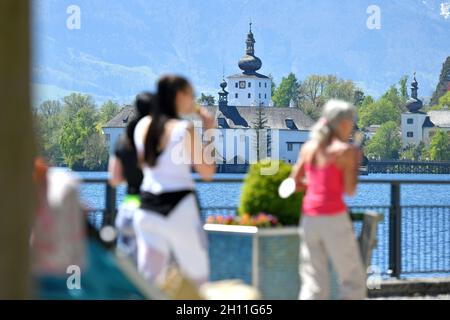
{"points": [[172, 171]]}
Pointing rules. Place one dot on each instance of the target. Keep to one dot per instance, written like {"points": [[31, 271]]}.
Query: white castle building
{"points": [[240, 114], [417, 126]]}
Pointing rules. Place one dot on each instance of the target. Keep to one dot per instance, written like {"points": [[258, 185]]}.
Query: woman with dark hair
{"points": [[123, 167], [169, 221]]}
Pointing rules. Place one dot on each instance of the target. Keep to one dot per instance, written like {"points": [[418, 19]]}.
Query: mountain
{"points": [[122, 47]]}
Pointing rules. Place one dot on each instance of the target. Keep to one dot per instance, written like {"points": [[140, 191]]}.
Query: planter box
{"points": [[267, 259]]}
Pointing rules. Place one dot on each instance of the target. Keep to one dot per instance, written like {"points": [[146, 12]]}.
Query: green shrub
{"points": [[260, 194]]}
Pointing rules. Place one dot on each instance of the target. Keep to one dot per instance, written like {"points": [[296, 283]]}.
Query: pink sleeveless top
{"points": [[324, 195]]}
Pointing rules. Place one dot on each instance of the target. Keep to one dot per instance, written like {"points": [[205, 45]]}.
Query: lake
{"points": [[425, 230]]}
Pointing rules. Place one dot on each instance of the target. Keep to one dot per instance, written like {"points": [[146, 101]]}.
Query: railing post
{"points": [[110, 205], [395, 231]]}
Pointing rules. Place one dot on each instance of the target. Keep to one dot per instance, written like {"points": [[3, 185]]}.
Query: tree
{"points": [[273, 86], [262, 138], [95, 153], [393, 96], [311, 91], [207, 100], [385, 144], [74, 102], [413, 152], [75, 134], [440, 146], [315, 90], [444, 101], [108, 110], [403, 84], [286, 91], [377, 112], [48, 118], [441, 87]]}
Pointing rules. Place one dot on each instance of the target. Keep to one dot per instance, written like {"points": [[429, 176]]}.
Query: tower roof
{"points": [[249, 63], [414, 104]]}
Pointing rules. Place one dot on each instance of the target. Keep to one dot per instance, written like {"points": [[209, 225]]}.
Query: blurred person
{"points": [[169, 221], [328, 168], [123, 167]]}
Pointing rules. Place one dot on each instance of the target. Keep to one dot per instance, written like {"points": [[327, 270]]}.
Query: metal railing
{"points": [[412, 239]]}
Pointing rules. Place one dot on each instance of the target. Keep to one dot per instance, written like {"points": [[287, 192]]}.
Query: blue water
{"points": [[227, 194], [425, 230]]}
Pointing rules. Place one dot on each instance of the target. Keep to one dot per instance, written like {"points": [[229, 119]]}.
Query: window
{"points": [[236, 95], [260, 95], [410, 121], [107, 137], [410, 134], [249, 84], [236, 85], [265, 85], [289, 146], [249, 95], [260, 84], [265, 95]]}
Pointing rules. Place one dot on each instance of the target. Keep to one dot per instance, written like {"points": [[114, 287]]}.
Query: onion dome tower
{"points": [[414, 104], [249, 63]]}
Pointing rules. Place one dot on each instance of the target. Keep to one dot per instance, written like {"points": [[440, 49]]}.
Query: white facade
{"points": [[237, 146], [249, 90], [412, 131], [290, 144], [112, 135]]}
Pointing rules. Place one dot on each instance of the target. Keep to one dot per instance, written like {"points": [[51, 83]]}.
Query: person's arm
{"points": [[204, 166], [298, 171], [350, 164], [203, 161], [115, 171]]}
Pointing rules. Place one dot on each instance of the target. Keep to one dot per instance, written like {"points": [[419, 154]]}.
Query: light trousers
{"points": [[179, 234], [324, 238]]}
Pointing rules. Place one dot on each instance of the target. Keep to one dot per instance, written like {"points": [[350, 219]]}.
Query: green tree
{"points": [[403, 84], [441, 87], [286, 91], [440, 146], [444, 101], [108, 110], [74, 102], [207, 100], [315, 90], [413, 152], [95, 153], [75, 135], [385, 144], [378, 112], [48, 118], [273, 86]]}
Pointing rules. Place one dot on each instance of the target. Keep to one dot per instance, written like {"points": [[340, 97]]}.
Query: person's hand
{"points": [[208, 121]]}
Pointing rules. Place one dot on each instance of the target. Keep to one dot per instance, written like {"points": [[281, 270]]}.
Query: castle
{"points": [[246, 119]]}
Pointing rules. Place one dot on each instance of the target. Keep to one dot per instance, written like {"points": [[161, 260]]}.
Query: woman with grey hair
{"points": [[328, 168]]}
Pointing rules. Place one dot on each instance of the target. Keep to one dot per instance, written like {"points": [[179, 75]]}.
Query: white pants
{"points": [[180, 233], [324, 237], [126, 238]]}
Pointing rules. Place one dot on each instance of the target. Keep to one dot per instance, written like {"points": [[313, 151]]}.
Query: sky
{"points": [[115, 49]]}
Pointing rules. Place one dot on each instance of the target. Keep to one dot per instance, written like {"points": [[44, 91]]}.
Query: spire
{"points": [[249, 63], [414, 87], [223, 94], [250, 42]]}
